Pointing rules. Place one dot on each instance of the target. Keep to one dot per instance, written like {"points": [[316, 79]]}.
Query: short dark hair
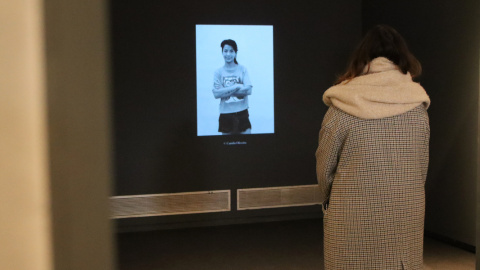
{"points": [[232, 43], [382, 41]]}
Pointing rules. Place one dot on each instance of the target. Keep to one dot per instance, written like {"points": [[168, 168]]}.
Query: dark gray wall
{"points": [[444, 35], [154, 102]]}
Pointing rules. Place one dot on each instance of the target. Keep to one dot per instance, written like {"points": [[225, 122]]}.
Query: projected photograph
{"points": [[234, 79]]}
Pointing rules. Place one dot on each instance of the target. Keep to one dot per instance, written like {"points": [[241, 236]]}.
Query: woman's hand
{"points": [[243, 91]]}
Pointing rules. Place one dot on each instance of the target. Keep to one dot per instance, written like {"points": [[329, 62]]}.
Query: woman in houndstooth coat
{"points": [[372, 159]]}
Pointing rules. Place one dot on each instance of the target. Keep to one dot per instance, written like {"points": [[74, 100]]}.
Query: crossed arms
{"points": [[237, 90]]}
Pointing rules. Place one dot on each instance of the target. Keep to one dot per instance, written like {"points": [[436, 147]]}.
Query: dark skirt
{"points": [[234, 122]]}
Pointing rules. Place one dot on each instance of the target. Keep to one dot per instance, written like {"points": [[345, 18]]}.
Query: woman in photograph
{"points": [[372, 158], [231, 84]]}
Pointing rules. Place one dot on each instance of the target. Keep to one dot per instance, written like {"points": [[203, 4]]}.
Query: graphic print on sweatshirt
{"points": [[229, 81]]}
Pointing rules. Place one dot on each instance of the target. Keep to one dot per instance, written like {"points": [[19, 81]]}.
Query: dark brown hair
{"points": [[381, 41], [233, 44]]}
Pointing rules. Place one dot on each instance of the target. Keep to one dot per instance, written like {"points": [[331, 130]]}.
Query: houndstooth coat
{"points": [[371, 170]]}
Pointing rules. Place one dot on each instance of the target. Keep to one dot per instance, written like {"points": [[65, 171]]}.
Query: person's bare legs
{"points": [[247, 131]]}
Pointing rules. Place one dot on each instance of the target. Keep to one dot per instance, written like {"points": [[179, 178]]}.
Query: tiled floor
{"points": [[286, 245]]}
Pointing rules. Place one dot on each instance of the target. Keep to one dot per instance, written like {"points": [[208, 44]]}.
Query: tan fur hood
{"points": [[383, 91]]}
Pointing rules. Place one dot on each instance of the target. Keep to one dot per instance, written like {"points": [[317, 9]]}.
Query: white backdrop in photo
{"points": [[255, 53]]}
